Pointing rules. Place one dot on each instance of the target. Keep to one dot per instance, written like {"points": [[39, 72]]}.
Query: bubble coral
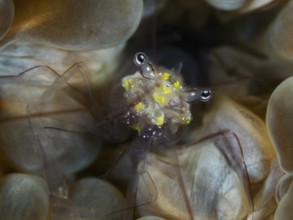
{"points": [[279, 125], [72, 24], [60, 118]]}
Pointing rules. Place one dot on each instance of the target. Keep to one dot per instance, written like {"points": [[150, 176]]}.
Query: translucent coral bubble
{"points": [[258, 152], [280, 33], [284, 185], [258, 4], [227, 4], [97, 197], [17, 58], [264, 199], [23, 197], [284, 210], [280, 123], [73, 24], [209, 189], [33, 130], [251, 131], [20, 150], [7, 14]]}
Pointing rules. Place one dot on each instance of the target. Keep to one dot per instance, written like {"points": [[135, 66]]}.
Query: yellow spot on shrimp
{"points": [[165, 76], [187, 120], [159, 98], [177, 85], [126, 84], [139, 107], [166, 90], [159, 120]]}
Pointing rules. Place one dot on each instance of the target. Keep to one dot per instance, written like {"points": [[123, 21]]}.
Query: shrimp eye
{"points": [[145, 66], [139, 58], [194, 95], [205, 95]]}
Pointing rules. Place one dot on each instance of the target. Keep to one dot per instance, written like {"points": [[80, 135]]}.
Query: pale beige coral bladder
{"points": [[279, 120], [23, 197], [240, 6], [72, 24]]}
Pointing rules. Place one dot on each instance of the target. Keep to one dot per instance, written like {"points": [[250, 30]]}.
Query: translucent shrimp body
{"points": [[157, 97]]}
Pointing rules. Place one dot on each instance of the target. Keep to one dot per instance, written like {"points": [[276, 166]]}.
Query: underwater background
{"points": [[146, 109]]}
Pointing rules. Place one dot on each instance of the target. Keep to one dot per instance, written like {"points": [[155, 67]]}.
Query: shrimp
{"points": [[156, 108], [159, 103]]}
